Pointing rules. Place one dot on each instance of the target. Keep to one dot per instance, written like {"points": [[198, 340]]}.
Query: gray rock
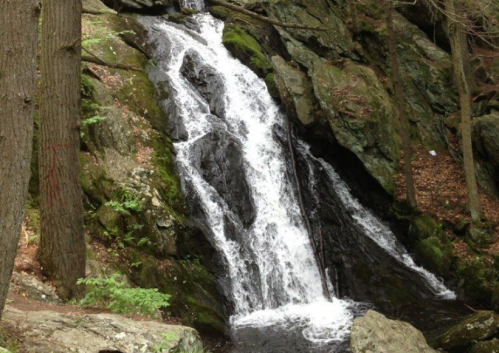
{"points": [[52, 332], [486, 347], [374, 333], [295, 90], [34, 288], [478, 327]]}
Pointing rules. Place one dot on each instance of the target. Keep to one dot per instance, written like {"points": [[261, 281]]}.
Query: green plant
{"points": [[113, 294], [129, 203]]}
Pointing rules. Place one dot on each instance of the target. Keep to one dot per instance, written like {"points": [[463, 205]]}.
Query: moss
{"points": [[271, 85], [8, 340], [169, 184], [435, 254], [479, 280], [244, 47], [423, 226]]}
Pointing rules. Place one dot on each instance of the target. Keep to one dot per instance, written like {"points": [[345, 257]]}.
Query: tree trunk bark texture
{"points": [[62, 244], [459, 56], [18, 42], [403, 121]]}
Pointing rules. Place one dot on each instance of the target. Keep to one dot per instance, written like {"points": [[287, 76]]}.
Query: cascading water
{"points": [[274, 277]]}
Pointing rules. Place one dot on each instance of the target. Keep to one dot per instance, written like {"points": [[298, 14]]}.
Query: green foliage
{"points": [[101, 34], [113, 294], [129, 203], [94, 120]]}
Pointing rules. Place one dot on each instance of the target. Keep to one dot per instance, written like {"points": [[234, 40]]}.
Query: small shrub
{"points": [[113, 294]]}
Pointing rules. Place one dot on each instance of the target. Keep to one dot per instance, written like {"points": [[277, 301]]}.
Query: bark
{"points": [[18, 38], [459, 56], [62, 245], [403, 121], [242, 10]]}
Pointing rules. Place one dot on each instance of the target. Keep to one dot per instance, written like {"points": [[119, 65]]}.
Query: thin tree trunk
{"points": [[459, 55], [62, 245], [354, 16], [404, 126], [18, 42]]}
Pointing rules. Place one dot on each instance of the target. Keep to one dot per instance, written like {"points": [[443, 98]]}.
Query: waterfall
{"points": [[234, 172]]}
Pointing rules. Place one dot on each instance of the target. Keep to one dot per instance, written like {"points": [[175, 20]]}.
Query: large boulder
{"points": [[479, 327], [374, 333], [360, 114], [53, 332]]}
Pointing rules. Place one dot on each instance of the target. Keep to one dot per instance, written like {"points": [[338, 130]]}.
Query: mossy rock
{"points": [[244, 47], [435, 254], [482, 235], [459, 338], [486, 347], [194, 292], [480, 281], [424, 226]]}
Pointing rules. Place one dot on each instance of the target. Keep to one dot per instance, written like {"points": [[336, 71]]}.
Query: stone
{"points": [[295, 90], [478, 327], [53, 332], [486, 347], [360, 114], [34, 288], [374, 333]]}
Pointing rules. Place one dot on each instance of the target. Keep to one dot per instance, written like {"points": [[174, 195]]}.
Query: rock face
{"points": [[481, 326], [374, 333], [486, 140], [140, 5], [52, 332]]}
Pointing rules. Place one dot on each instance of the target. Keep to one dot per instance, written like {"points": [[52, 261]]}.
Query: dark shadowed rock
{"points": [[140, 5], [220, 162], [206, 82]]}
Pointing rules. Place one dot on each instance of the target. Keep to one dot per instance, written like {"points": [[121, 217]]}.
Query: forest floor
{"points": [[441, 193]]}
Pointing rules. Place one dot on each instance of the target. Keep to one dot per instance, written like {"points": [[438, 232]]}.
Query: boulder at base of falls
{"points": [[52, 332], [374, 333], [481, 326]]}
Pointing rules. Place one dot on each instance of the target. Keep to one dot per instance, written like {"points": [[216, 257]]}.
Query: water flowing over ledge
{"points": [[235, 175]]}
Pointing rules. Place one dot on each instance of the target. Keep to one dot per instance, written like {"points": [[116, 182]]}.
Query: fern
{"points": [[113, 294]]}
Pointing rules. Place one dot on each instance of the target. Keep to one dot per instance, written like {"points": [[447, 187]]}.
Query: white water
{"points": [[288, 291], [375, 229]]}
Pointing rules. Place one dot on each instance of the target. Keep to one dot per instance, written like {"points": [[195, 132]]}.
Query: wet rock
{"points": [[205, 80], [221, 164], [481, 326], [486, 347], [374, 333], [140, 5], [52, 332]]}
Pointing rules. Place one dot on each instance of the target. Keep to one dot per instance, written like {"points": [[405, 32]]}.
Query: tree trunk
{"points": [[403, 122], [459, 56], [62, 244], [18, 39]]}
